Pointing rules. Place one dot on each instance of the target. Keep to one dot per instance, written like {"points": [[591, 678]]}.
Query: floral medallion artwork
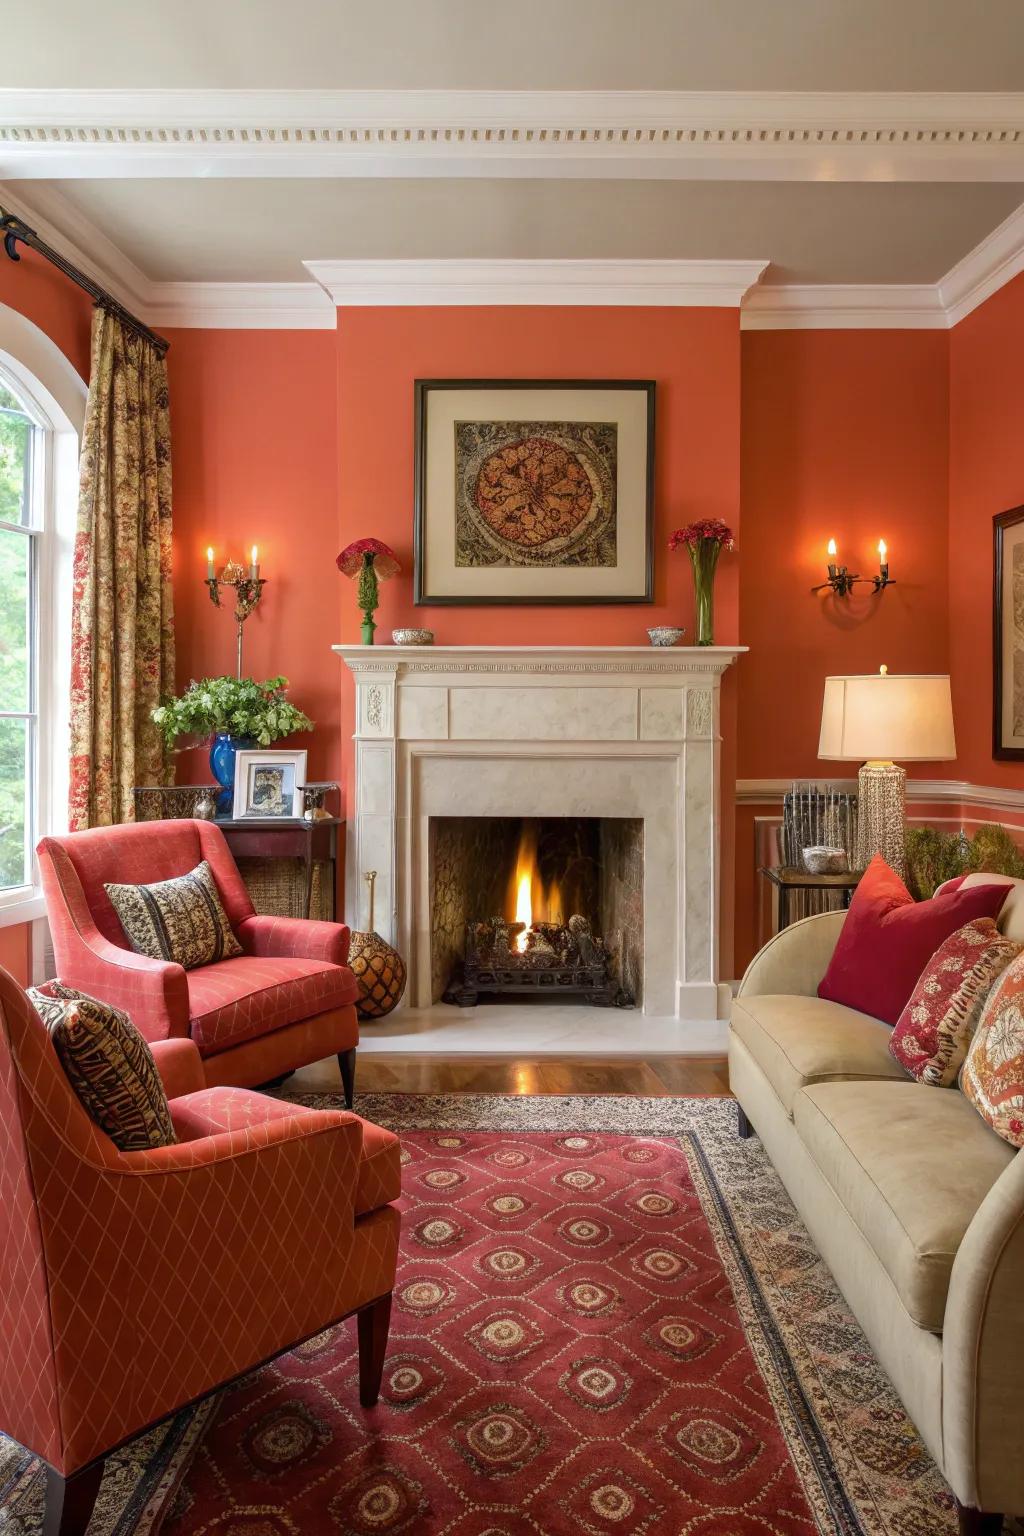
{"points": [[657, 1350], [534, 491]]}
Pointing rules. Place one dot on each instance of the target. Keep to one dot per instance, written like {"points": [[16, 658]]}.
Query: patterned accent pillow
{"points": [[109, 1065], [934, 1030], [993, 1074], [181, 919]]}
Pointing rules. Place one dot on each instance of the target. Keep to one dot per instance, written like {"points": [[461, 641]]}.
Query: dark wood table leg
{"points": [[978, 1522], [783, 907], [373, 1324], [347, 1064]]}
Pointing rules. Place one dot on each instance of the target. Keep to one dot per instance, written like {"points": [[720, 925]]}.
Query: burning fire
{"points": [[533, 901]]}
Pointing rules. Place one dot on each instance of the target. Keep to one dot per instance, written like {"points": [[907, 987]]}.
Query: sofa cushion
{"points": [[800, 1040], [993, 1074], [888, 939], [239, 999], [910, 1168], [935, 1028]]}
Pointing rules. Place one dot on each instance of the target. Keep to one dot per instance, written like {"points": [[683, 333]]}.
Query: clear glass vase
{"points": [[704, 558]]}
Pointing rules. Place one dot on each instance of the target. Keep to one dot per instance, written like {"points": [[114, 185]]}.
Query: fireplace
{"points": [[457, 748], [536, 908]]}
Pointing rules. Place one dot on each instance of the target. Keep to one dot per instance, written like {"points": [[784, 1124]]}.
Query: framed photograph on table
{"points": [[534, 491], [268, 785], [1008, 635]]}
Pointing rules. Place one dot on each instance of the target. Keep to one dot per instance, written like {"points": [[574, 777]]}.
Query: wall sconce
{"points": [[842, 582], [247, 589]]}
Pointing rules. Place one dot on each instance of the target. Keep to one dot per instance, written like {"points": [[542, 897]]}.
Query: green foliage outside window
{"points": [[16, 430]]}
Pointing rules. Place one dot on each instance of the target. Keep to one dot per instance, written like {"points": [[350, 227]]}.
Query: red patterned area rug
{"points": [[608, 1320]]}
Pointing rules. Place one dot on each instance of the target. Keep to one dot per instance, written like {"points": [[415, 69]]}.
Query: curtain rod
{"points": [[15, 229]]}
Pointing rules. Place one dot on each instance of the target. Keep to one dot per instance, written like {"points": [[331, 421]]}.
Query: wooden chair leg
{"points": [[373, 1323], [69, 1501], [744, 1129], [347, 1063], [978, 1522]]}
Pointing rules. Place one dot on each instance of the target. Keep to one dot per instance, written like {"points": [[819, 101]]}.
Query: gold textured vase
{"points": [[378, 968]]}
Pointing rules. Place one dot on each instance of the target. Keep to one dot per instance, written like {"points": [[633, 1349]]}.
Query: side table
{"points": [[280, 838], [787, 880]]}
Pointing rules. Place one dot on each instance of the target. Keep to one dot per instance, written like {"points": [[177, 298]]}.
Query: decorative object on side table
{"points": [[665, 634], [412, 636], [817, 816], [704, 542], [378, 969], [372, 562], [248, 590], [237, 713], [268, 785], [1008, 640], [879, 718], [823, 860], [534, 491]]}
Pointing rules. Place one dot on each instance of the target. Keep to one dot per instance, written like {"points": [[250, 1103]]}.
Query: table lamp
{"points": [[878, 718]]}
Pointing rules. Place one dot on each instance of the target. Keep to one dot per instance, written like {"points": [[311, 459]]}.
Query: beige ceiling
{"points": [[821, 45], [262, 230]]}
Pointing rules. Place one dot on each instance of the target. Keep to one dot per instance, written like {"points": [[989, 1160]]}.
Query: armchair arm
{"points": [[295, 938], [795, 960], [154, 993], [180, 1066], [983, 1352]]}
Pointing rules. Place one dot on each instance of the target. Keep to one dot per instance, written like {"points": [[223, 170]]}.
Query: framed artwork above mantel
{"points": [[1008, 635], [534, 491]]}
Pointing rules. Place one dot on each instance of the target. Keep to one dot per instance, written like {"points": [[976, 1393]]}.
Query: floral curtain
{"points": [[122, 658]]}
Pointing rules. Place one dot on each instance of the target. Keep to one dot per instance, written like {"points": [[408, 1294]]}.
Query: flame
{"points": [[527, 895], [524, 909]]}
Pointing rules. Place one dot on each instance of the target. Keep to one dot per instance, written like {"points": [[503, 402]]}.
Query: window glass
{"points": [[17, 435]]}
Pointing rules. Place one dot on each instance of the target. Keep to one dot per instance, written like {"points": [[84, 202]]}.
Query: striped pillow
{"points": [[109, 1065], [181, 919]]}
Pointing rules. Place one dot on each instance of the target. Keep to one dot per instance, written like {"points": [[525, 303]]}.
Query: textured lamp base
{"points": [[881, 821]]}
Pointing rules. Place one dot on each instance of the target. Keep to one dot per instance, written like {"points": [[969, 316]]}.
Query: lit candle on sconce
{"points": [[254, 568], [883, 559], [210, 571], [832, 552]]}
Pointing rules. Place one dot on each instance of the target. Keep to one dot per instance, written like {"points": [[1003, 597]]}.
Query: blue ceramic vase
{"points": [[222, 766]]}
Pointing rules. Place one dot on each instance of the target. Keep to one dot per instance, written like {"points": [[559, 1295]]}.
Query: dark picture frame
{"points": [[424, 389], [1006, 746]]}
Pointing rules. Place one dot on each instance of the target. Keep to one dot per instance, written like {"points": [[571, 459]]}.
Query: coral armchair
{"points": [[289, 1000], [133, 1283]]}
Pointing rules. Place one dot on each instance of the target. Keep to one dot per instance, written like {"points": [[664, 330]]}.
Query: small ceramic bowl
{"points": [[665, 634], [413, 636], [824, 861]]}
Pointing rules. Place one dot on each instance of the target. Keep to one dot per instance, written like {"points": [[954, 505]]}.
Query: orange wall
{"points": [[986, 477], [845, 435], [15, 951], [254, 420]]}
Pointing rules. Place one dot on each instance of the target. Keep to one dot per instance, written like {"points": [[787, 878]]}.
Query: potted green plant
{"points": [[231, 712]]}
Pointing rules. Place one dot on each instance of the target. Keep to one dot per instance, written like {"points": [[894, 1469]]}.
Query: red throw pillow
{"points": [[888, 939]]}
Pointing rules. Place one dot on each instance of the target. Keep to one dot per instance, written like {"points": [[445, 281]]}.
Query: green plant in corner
{"points": [[237, 707], [934, 857]]}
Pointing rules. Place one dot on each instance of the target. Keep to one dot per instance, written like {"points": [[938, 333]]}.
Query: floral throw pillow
{"points": [[934, 1030], [109, 1065], [181, 919], [993, 1074]]}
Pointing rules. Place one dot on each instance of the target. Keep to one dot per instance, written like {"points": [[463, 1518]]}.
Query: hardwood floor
{"points": [[654, 1077]]}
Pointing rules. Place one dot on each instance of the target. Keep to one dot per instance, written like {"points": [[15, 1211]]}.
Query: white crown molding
{"points": [[240, 306], [670, 283], [983, 271], [844, 307], [83, 243], [770, 135], [920, 791]]}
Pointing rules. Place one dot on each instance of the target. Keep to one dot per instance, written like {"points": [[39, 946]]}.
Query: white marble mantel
{"points": [[450, 730]]}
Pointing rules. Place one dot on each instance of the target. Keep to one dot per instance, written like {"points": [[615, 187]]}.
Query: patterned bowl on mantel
{"points": [[665, 634], [412, 636]]}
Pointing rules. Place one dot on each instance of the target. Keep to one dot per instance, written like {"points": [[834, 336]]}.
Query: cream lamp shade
{"points": [[883, 718]]}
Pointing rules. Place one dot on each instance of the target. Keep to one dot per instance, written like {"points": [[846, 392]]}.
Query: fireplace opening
{"points": [[536, 909]]}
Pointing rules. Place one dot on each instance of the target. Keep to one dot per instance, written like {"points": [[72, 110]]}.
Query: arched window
{"points": [[38, 493]]}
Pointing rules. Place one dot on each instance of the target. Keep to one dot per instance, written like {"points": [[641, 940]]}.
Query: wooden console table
{"points": [[276, 838], [786, 881]]}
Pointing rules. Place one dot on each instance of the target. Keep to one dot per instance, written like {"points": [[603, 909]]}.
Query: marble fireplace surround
{"points": [[598, 731]]}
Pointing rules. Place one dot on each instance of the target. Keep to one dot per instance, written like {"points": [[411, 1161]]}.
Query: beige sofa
{"points": [[917, 1207]]}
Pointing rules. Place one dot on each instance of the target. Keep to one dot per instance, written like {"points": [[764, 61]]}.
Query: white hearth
{"points": [[543, 731]]}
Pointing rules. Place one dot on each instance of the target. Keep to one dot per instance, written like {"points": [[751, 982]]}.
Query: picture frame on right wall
{"points": [[1008, 635]]}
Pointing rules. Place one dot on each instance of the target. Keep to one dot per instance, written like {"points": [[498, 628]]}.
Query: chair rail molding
{"points": [[919, 791]]}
